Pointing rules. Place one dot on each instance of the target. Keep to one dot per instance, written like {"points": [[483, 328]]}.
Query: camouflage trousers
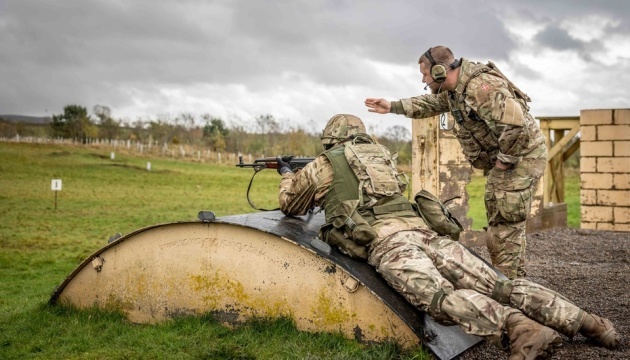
{"points": [[441, 277], [508, 200]]}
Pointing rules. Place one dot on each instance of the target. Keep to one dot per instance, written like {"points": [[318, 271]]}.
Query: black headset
{"points": [[438, 71]]}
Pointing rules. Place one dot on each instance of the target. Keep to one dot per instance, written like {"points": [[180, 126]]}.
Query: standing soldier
{"points": [[497, 134], [367, 216]]}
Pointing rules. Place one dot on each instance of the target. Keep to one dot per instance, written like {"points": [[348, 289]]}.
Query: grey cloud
{"points": [[558, 39], [526, 71], [237, 41], [86, 51], [395, 32], [618, 9], [551, 11]]}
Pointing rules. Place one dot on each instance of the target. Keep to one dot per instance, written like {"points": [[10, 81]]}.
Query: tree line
{"points": [[264, 135]]}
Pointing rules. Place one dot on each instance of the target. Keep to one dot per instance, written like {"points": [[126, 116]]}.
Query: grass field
{"points": [[41, 245]]}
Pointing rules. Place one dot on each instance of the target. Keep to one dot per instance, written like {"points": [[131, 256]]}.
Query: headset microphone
{"points": [[427, 86]]}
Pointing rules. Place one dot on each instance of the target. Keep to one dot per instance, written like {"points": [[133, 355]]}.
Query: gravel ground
{"points": [[592, 269]]}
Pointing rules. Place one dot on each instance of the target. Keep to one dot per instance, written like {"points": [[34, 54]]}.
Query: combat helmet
{"points": [[340, 127]]}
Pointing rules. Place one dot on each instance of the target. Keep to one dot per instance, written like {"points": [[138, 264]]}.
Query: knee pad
{"points": [[502, 291]]}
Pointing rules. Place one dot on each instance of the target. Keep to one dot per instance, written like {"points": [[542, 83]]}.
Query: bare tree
{"points": [[400, 142], [108, 127]]}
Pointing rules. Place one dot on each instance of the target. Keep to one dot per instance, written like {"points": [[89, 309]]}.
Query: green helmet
{"points": [[340, 127]]}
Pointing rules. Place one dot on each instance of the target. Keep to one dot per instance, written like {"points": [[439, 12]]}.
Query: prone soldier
{"points": [[356, 182]]}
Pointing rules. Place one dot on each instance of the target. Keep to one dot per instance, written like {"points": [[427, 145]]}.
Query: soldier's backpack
{"points": [[436, 215], [367, 187]]}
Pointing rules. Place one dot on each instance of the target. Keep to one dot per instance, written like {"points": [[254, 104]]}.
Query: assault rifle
{"points": [[295, 163]]}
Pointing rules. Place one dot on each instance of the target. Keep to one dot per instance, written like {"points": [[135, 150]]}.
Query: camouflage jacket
{"points": [[492, 119], [307, 188]]}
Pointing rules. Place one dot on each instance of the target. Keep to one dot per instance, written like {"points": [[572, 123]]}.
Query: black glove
{"points": [[283, 167]]}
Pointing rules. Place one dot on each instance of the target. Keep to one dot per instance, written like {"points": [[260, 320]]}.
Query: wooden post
{"points": [[557, 165], [547, 177], [554, 172]]}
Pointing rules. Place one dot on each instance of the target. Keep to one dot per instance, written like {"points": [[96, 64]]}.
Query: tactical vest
{"points": [[366, 188], [480, 144]]}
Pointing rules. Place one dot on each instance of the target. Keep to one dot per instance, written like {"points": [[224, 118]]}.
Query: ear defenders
{"points": [[438, 71]]}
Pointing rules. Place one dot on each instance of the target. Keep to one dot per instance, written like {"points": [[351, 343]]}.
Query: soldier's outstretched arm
{"points": [[380, 106]]}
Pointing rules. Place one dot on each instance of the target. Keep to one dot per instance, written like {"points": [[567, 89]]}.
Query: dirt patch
{"points": [[592, 269]]}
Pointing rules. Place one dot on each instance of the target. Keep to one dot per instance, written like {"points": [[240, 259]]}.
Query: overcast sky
{"points": [[300, 61]]}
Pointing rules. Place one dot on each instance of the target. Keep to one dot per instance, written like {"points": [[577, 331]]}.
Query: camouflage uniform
{"points": [[493, 122], [435, 273]]}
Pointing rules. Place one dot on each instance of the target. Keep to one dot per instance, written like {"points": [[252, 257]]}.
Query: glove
{"points": [[283, 167]]}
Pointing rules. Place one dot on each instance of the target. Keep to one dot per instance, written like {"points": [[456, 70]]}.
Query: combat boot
{"points": [[529, 340], [600, 330]]}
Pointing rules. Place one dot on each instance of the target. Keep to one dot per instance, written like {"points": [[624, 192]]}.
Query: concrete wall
{"points": [[605, 169]]}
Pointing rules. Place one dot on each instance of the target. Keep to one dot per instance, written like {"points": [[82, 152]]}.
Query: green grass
{"points": [[40, 246], [476, 208], [572, 198]]}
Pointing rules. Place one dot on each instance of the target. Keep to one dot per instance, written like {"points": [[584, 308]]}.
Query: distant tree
{"points": [[102, 112], [398, 139], [215, 132], [237, 138], [160, 130], [73, 123], [7, 129], [188, 131], [187, 119], [398, 133], [214, 125], [267, 125], [108, 127], [296, 141]]}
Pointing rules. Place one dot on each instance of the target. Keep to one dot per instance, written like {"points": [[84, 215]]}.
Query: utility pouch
{"points": [[375, 168], [348, 230], [436, 215], [336, 237], [353, 224]]}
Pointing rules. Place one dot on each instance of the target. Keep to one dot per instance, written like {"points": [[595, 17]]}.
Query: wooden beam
{"points": [[557, 147], [557, 194], [557, 117], [556, 124], [548, 188], [573, 148]]}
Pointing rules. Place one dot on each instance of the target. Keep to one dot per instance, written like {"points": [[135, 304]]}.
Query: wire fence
{"points": [[150, 149]]}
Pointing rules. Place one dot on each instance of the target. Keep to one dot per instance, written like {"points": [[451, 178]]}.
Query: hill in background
{"points": [[34, 120]]}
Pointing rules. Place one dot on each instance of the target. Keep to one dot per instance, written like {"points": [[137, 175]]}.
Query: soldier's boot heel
{"points": [[601, 330]]}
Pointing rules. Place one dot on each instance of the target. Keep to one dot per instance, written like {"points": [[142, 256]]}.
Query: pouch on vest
{"points": [[353, 224], [336, 237], [348, 230], [436, 215], [375, 169]]}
